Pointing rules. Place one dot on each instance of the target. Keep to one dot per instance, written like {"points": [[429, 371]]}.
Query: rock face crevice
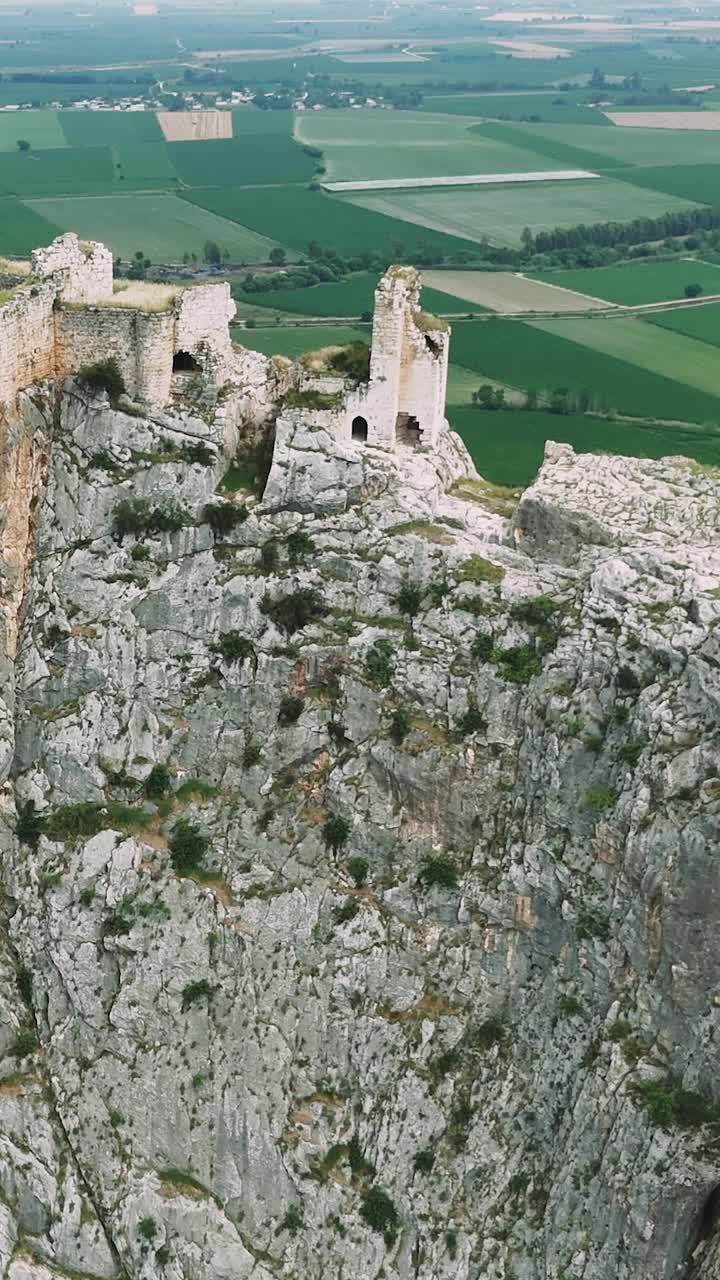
{"points": [[360, 855]]}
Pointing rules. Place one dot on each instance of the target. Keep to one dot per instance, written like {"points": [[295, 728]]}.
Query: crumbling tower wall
{"points": [[404, 401]]}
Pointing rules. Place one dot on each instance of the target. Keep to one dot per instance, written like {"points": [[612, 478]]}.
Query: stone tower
{"points": [[404, 401]]}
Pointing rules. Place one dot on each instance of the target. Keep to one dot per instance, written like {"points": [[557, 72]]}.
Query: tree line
{"points": [[683, 222]]}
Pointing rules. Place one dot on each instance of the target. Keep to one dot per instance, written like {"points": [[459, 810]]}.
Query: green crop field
{"points": [[699, 182], [22, 228], [294, 216], [70, 170], [162, 225], [551, 106], [360, 145], [250, 159], [624, 145], [552, 152], [103, 128], [501, 212], [40, 128], [638, 282], [656, 350], [348, 297], [251, 120], [294, 342], [529, 356], [507, 447], [701, 323], [141, 165]]}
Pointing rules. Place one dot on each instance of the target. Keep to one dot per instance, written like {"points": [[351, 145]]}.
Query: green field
{"points": [[359, 145], [657, 350], [293, 342], [701, 323], [507, 447], [69, 170], [141, 165], [501, 212], [295, 216], [348, 297], [531, 356], [40, 128], [558, 152], [251, 120], [699, 182], [626, 146], [552, 106], [162, 225], [251, 159], [103, 128], [637, 282], [22, 228]]}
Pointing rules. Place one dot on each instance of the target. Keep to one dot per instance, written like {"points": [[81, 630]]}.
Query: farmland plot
{"points": [[638, 282], [500, 213], [506, 291], [40, 128], [701, 322]]}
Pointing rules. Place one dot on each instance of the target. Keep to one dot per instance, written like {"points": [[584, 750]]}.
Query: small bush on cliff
{"points": [[299, 545], [223, 517], [29, 826], [380, 1213], [409, 598], [137, 516], [440, 871], [188, 847], [671, 1106], [293, 612], [290, 710], [380, 662], [400, 726], [233, 647], [353, 361], [195, 991], [104, 375], [336, 831], [157, 783]]}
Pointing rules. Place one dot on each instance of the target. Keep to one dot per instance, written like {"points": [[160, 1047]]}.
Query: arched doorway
{"points": [[359, 430], [183, 362]]}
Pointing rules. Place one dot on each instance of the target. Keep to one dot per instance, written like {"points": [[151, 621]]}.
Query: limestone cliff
{"points": [[359, 860]]}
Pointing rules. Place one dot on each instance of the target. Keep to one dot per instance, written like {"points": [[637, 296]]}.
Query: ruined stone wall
{"points": [[82, 271], [140, 341], [27, 345], [423, 379], [203, 314]]}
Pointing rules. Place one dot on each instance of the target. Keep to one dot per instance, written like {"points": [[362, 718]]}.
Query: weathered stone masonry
{"points": [[67, 315]]}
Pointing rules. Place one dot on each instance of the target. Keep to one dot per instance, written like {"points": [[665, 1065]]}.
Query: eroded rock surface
{"points": [[440, 996]]}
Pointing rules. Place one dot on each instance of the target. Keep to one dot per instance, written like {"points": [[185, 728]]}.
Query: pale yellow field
{"points": [[195, 126], [666, 119], [526, 49], [506, 292]]}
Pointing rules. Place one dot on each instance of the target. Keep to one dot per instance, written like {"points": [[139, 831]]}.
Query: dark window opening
{"points": [[407, 429], [183, 362], [359, 429], [432, 346]]}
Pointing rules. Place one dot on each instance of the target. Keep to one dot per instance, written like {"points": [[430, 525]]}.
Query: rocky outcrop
{"points": [[359, 864]]}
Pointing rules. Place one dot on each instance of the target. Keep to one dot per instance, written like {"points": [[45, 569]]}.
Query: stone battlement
{"points": [[69, 314]]}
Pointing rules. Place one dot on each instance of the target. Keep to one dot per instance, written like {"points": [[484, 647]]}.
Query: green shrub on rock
{"points": [[188, 847]]}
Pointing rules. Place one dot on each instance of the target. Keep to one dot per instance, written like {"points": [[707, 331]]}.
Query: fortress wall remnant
{"points": [[81, 271], [406, 389], [203, 316], [140, 341], [27, 345]]}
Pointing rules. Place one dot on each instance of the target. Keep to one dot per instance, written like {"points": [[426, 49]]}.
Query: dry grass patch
{"points": [[499, 499], [695, 120], [141, 295], [527, 49], [195, 126]]}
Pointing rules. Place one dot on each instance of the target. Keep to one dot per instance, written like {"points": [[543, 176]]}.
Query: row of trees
{"points": [[562, 400], [640, 230]]}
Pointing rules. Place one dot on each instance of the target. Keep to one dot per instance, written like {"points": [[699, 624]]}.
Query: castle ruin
{"points": [[68, 313]]}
